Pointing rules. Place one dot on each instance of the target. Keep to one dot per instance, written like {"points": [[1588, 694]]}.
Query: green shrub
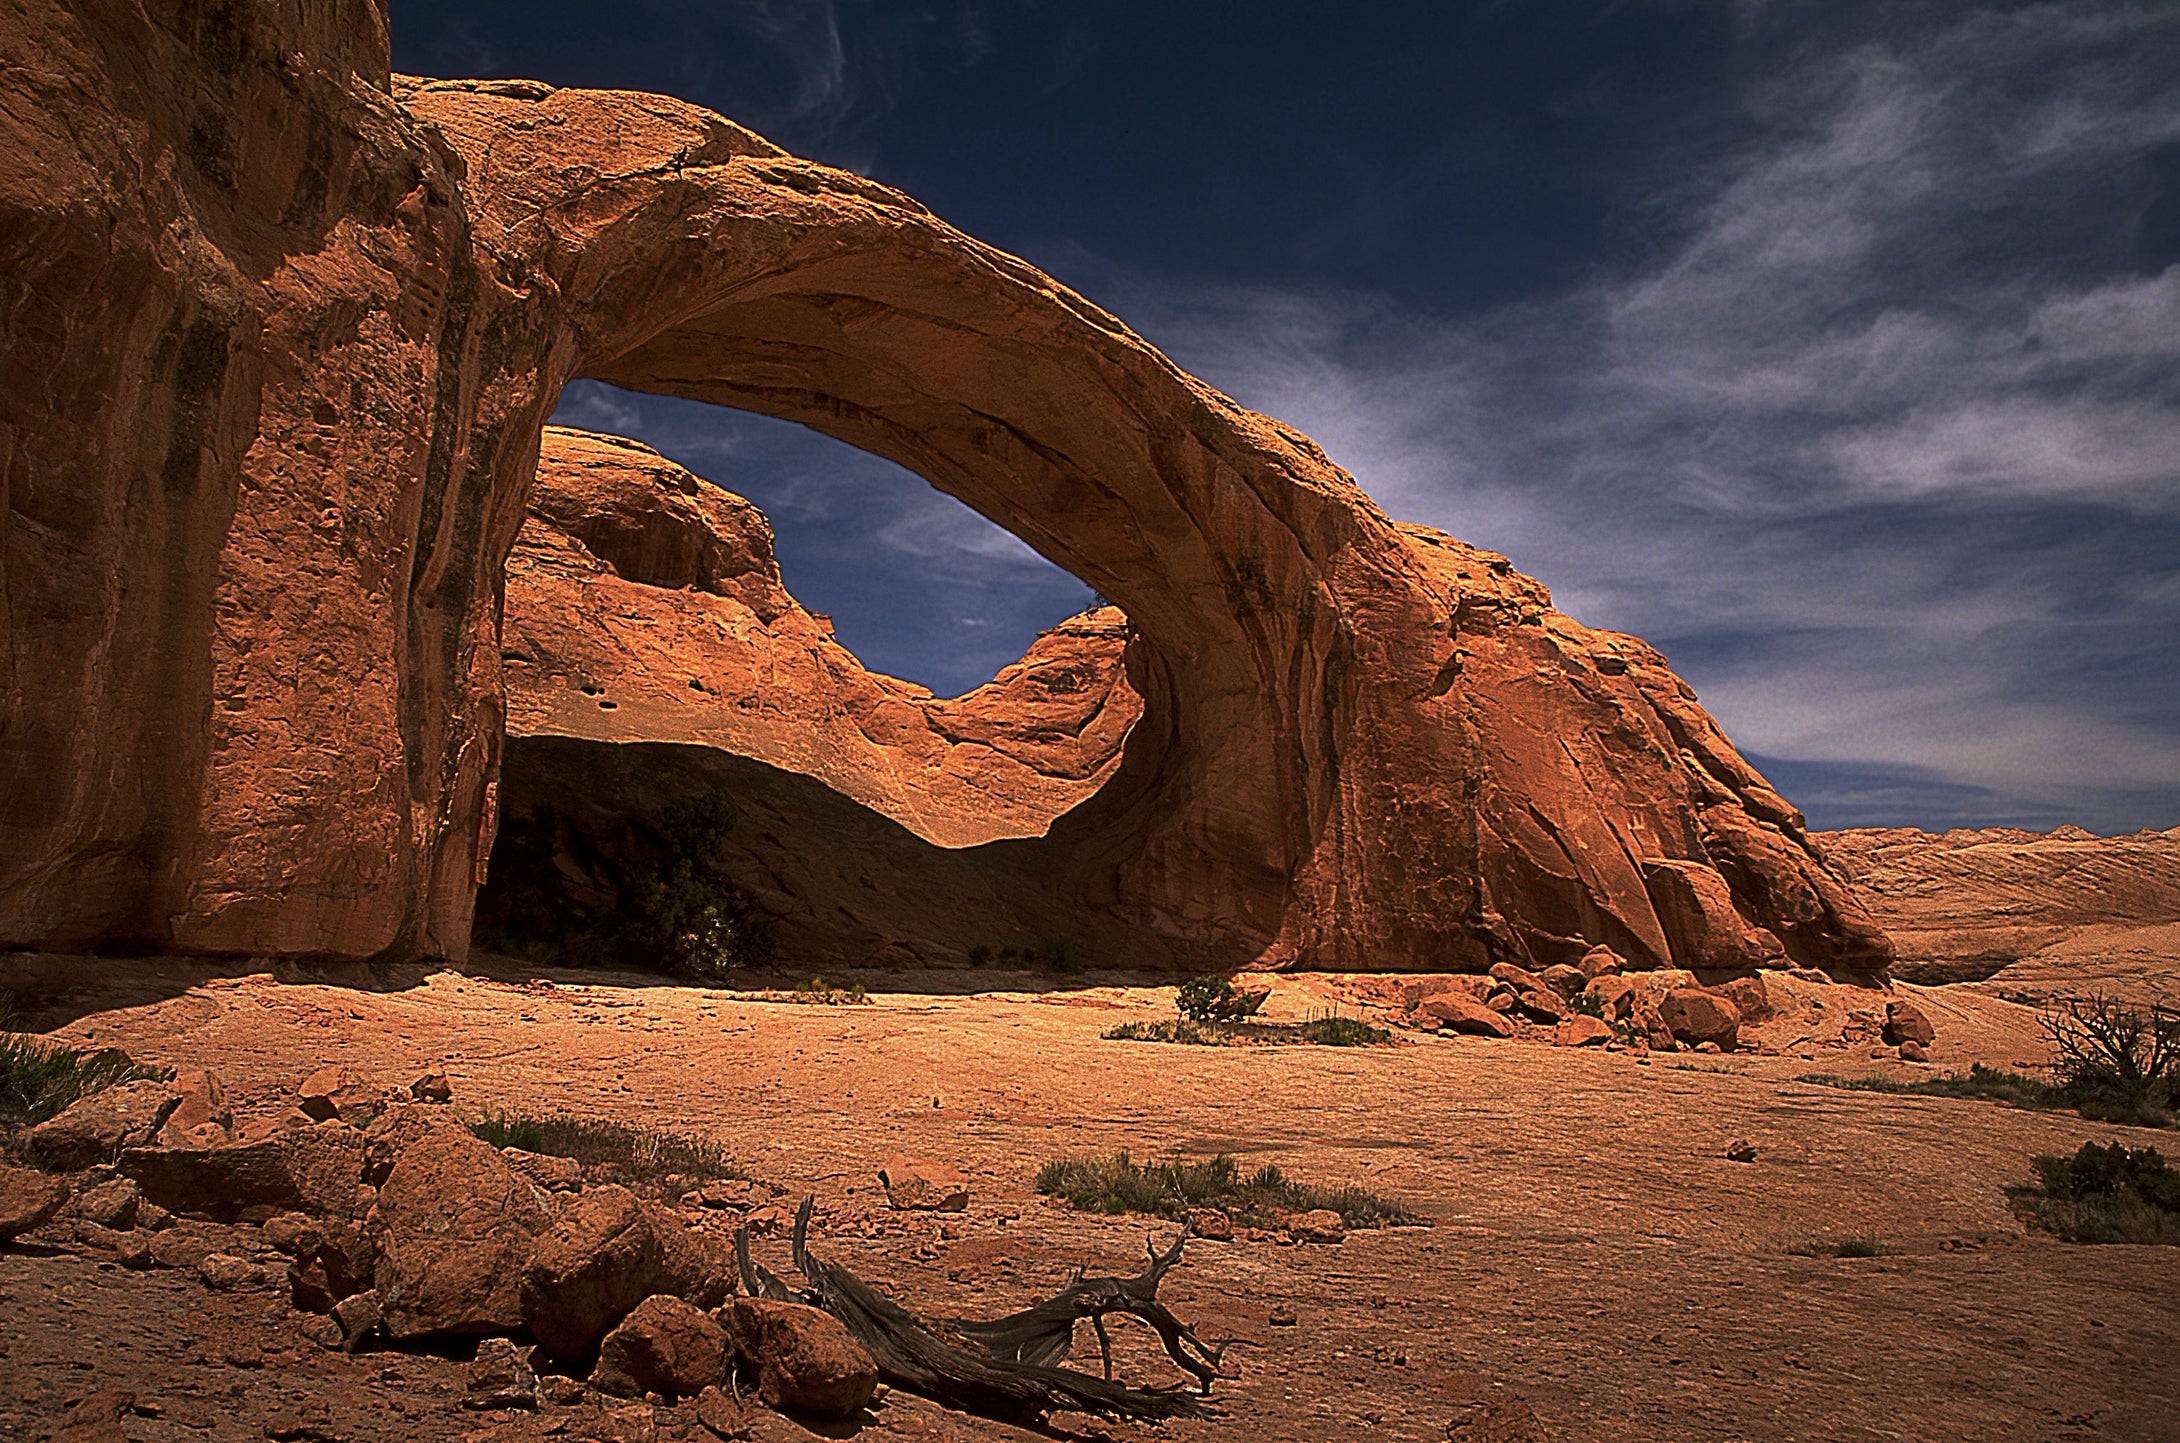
{"points": [[1214, 999], [2105, 1194], [1179, 1030], [1116, 1183], [1337, 1031], [39, 1079]]}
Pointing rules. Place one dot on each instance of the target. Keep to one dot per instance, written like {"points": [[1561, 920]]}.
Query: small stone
{"points": [[112, 1204], [1510, 1421], [1709, 1049], [28, 1200], [1913, 1051], [560, 1390], [431, 1087], [290, 1233], [926, 1186], [1212, 1223], [500, 1377], [357, 1316], [1283, 1316], [1740, 1151]]}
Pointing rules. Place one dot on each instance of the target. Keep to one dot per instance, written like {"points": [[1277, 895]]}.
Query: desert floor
{"points": [[1593, 1249]]}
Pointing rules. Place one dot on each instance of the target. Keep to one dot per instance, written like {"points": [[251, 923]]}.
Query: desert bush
{"points": [[2104, 1194], [1116, 1183], [1868, 1247], [39, 1079], [1338, 1031], [668, 906], [1215, 999], [2118, 1061], [644, 1158]]}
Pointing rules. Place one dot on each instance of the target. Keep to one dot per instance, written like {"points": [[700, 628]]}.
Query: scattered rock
{"points": [[665, 1346], [1511, 1421], [357, 1316], [1739, 1151], [924, 1185], [1581, 1030], [694, 1265], [733, 1193], [1905, 1022], [1212, 1223], [290, 1233], [1913, 1051], [722, 1415], [455, 1229], [1454, 1012], [499, 1377], [1697, 1015], [330, 1093], [186, 1244], [96, 1418], [431, 1087], [335, 1259], [28, 1200], [1540, 1004], [1319, 1225], [1615, 995], [201, 1117], [1283, 1316], [554, 1174], [227, 1273], [96, 1128], [805, 1358], [112, 1204]]}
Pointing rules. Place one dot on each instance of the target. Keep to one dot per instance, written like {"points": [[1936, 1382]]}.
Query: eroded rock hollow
{"points": [[282, 332]]}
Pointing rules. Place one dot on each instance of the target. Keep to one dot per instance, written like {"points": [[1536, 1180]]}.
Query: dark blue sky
{"points": [[1833, 348]]}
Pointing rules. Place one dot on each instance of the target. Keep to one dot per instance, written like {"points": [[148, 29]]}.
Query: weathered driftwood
{"points": [[1004, 1368]]}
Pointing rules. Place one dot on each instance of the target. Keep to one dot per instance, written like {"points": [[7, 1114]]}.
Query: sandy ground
{"points": [[1593, 1249]]}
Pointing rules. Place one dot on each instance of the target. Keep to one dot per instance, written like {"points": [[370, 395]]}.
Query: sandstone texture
{"points": [[2038, 913], [282, 331]]}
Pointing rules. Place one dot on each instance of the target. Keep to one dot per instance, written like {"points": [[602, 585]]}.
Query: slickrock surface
{"points": [[1596, 1251], [283, 331], [644, 605], [2037, 913]]}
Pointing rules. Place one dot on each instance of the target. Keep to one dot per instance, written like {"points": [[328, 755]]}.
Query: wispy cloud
{"points": [[1883, 446]]}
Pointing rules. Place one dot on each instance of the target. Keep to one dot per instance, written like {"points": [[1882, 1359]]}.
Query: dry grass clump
{"points": [[1117, 1183], [642, 1158], [39, 1080]]}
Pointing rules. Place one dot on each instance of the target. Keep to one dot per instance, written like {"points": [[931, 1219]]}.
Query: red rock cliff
{"points": [[282, 333]]}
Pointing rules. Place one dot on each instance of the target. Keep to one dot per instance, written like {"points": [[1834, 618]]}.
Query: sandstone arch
{"points": [[1362, 744]]}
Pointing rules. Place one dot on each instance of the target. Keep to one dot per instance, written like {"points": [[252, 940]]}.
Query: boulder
{"points": [[918, 1183], [330, 1260], [1913, 1051], [1905, 1022], [1615, 996], [665, 1346], [315, 1169], [1581, 1031], [1696, 1015], [554, 1174], [1540, 1004], [589, 1269], [1601, 961], [28, 1200], [1750, 997], [1212, 1223], [186, 1245], [357, 1317], [97, 1127], [1456, 1013], [1318, 1225], [331, 1092], [1521, 979], [455, 1227], [432, 1087], [1564, 980], [695, 1265], [805, 1359], [390, 1132], [231, 1273]]}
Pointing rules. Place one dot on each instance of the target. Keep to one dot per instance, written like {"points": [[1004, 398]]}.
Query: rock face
{"points": [[258, 505], [2041, 912]]}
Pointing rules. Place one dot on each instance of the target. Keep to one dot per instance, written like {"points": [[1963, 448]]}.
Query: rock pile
{"points": [[383, 1214]]}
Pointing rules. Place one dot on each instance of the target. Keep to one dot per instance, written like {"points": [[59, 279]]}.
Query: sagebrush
{"points": [[1117, 1183]]}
